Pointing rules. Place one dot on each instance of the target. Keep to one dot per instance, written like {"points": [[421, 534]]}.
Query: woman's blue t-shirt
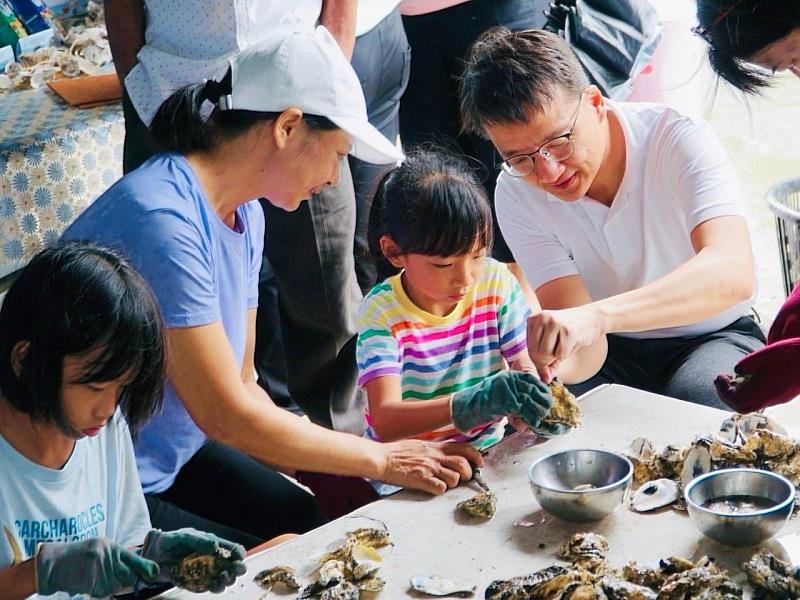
{"points": [[200, 270]]}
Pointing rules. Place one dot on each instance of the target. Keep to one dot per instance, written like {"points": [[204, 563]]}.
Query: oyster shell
{"points": [[675, 564], [636, 573], [331, 572], [582, 591], [737, 428], [278, 575], [439, 586], [697, 462], [655, 494], [370, 536], [341, 591], [371, 584], [565, 409], [585, 551], [670, 461], [198, 572], [705, 579], [770, 445], [481, 505], [529, 586], [772, 577], [365, 561], [619, 589]]}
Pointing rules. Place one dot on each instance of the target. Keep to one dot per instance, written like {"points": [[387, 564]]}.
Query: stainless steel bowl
{"points": [[740, 528], [581, 485]]}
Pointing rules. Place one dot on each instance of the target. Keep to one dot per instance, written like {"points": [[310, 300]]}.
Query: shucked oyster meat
{"points": [[198, 572], [565, 410]]}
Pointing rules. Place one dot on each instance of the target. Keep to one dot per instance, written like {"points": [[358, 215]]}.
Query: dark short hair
{"points": [[737, 29], [181, 126], [432, 204], [74, 299], [507, 74]]}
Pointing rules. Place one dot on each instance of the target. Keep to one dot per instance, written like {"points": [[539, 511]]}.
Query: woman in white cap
{"points": [[276, 125]]}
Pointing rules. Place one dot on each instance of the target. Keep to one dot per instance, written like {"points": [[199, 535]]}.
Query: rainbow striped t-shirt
{"points": [[436, 356]]}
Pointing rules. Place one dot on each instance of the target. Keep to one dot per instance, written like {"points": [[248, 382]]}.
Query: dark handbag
{"points": [[613, 39]]}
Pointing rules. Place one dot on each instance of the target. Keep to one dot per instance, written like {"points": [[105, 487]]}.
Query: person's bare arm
{"points": [[719, 276], [339, 17], [203, 370], [393, 419], [125, 22]]}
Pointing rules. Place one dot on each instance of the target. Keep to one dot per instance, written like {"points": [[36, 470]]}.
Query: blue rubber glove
{"points": [[504, 393], [96, 567], [168, 548]]}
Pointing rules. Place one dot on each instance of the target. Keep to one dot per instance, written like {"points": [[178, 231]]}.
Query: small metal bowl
{"points": [[581, 485], [740, 528]]}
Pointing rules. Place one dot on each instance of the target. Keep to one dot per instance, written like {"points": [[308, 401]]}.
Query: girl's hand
{"points": [[96, 567], [504, 393], [168, 548]]}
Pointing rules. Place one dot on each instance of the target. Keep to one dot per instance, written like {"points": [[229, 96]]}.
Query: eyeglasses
{"points": [[555, 150], [705, 32]]}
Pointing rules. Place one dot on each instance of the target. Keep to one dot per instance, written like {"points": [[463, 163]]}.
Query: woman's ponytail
{"points": [[179, 125]]}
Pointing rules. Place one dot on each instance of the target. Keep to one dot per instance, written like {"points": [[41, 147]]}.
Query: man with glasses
{"points": [[626, 219]]}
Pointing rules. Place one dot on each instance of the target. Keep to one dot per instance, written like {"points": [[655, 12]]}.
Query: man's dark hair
{"points": [[508, 74], [737, 29], [80, 299]]}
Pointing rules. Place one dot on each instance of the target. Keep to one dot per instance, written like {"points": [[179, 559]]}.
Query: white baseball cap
{"points": [[309, 72]]}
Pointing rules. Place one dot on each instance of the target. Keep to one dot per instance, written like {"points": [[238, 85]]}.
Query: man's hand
{"points": [[432, 467], [555, 335]]}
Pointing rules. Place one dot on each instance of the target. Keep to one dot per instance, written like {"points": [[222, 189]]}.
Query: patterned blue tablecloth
{"points": [[54, 161]]}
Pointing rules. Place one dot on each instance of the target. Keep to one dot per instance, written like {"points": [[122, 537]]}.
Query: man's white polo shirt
{"points": [[677, 176]]}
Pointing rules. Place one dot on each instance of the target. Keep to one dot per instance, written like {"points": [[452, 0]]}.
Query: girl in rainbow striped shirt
{"points": [[434, 338]]}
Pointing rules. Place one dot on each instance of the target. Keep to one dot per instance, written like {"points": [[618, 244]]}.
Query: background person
{"points": [[429, 111], [282, 122], [81, 357], [625, 217], [746, 37]]}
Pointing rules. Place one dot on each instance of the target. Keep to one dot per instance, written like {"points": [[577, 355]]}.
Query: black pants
{"points": [[682, 367], [227, 493], [440, 41]]}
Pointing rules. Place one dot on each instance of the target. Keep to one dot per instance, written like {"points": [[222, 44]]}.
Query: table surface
{"points": [[54, 161], [431, 539]]}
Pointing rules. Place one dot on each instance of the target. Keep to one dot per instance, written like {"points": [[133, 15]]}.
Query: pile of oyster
{"points": [[751, 440], [344, 572], [82, 49], [591, 577]]}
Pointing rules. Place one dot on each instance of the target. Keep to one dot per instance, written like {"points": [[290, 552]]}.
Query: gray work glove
{"points": [[97, 567], [504, 393]]}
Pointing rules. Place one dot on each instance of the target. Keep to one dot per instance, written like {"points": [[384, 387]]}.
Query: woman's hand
{"points": [[432, 467], [96, 567]]}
